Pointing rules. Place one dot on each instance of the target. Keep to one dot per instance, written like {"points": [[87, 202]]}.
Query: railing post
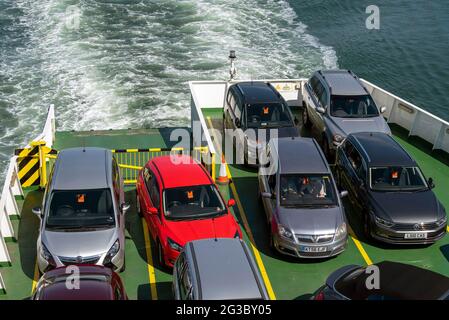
{"points": [[42, 162]]}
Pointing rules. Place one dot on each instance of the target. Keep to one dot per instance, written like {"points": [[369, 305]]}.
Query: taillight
{"points": [[319, 296]]}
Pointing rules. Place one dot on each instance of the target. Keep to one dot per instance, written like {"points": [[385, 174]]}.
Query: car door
{"points": [[312, 99], [152, 199], [270, 203], [119, 196], [321, 101], [353, 175]]}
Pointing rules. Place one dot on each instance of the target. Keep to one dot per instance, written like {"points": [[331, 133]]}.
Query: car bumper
{"points": [[296, 249], [391, 236]]}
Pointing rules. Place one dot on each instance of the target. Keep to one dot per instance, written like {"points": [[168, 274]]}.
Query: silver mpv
{"points": [[303, 207], [83, 212]]}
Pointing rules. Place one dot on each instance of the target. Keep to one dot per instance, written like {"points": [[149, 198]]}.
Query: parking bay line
{"points": [[256, 252], [35, 277], [151, 272], [359, 246]]}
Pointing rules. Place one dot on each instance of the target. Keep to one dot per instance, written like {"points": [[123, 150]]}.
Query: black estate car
{"points": [[396, 281], [389, 189], [253, 108]]}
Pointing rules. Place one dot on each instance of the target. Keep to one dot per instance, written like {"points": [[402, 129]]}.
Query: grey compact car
{"points": [[303, 207], [217, 269], [83, 212], [336, 103]]}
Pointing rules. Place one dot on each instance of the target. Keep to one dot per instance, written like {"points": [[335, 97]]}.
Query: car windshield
{"points": [[307, 190], [81, 208], [268, 115], [397, 178], [353, 107], [193, 202]]}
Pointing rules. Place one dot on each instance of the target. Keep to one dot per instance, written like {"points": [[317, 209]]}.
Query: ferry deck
{"points": [[285, 277]]}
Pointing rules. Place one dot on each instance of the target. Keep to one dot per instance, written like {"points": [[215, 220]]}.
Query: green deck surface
{"points": [[290, 278]]}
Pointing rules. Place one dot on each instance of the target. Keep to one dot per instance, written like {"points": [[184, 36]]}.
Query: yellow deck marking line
{"points": [[35, 278], [359, 246], [447, 228], [151, 273], [256, 252]]}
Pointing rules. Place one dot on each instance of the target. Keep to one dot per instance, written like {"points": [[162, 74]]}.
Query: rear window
{"points": [[81, 208]]}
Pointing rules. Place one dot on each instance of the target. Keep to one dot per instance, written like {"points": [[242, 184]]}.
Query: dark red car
{"points": [[95, 283], [180, 203]]}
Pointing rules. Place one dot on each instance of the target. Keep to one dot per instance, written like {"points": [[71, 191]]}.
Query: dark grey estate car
{"points": [[337, 104], [305, 215], [388, 188], [253, 109], [217, 269]]}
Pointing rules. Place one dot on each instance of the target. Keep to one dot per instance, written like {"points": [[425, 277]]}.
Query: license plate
{"points": [[313, 249], [415, 236]]}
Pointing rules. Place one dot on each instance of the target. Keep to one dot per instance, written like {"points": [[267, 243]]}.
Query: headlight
{"points": [[442, 221], [383, 222], [112, 252], [46, 254], [174, 245], [284, 232], [341, 231], [338, 138]]}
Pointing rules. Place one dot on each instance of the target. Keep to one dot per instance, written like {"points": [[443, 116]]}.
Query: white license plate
{"points": [[415, 236], [313, 249]]}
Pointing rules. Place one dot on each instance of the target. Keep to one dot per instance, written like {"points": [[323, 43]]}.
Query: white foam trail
{"points": [[128, 64]]}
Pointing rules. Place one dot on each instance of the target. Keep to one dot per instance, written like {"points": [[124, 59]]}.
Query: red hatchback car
{"points": [[94, 283], [181, 203]]}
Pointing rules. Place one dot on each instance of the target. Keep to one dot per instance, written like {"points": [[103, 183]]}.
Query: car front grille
{"points": [[79, 260], [415, 226], [322, 238]]}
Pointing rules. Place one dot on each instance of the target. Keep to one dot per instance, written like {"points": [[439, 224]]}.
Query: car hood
{"points": [[74, 244], [185, 231], [407, 207], [311, 221], [351, 125]]}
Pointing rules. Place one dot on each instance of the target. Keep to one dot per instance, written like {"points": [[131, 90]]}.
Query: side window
{"points": [[323, 98], [355, 160], [116, 180], [231, 99], [152, 187], [313, 83], [319, 91], [238, 108], [185, 283]]}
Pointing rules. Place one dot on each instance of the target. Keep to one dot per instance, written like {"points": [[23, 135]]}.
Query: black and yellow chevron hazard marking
{"points": [[28, 165]]}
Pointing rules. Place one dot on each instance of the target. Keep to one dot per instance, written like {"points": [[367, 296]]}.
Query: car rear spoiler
{"points": [[337, 274]]}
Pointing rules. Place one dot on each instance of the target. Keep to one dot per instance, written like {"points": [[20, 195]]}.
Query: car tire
{"points": [[138, 208], [305, 118]]}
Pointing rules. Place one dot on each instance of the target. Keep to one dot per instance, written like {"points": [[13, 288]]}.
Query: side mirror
{"points": [[321, 110], [231, 202], [237, 123], [153, 210], [37, 211], [267, 195], [383, 109], [125, 207], [343, 193], [431, 183]]}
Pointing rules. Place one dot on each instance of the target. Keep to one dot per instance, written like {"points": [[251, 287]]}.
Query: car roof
{"points": [[258, 92], [299, 155], [82, 168], [343, 82], [380, 149], [224, 269], [180, 171], [398, 281], [90, 289]]}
